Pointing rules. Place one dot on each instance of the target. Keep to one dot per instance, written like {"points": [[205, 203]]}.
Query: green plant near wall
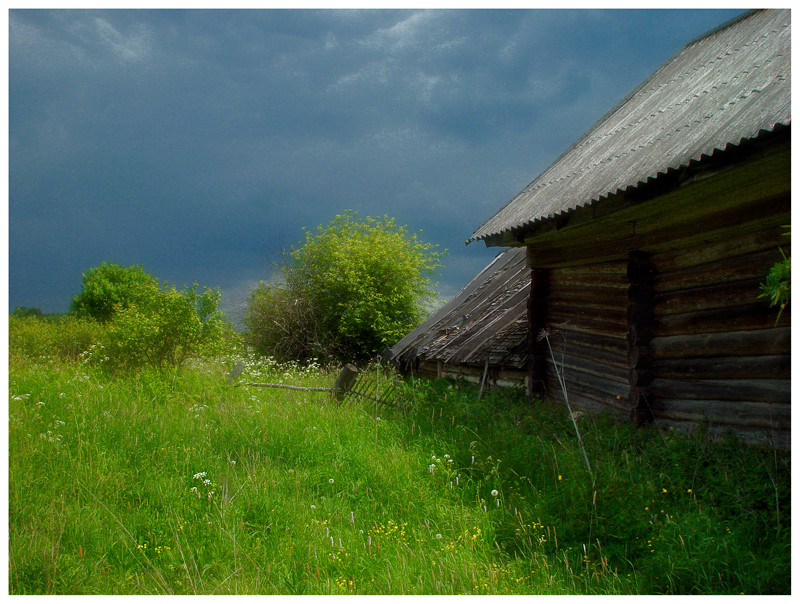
{"points": [[777, 287]]}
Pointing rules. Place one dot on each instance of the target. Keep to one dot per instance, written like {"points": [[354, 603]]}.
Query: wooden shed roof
{"points": [[485, 320], [726, 87]]}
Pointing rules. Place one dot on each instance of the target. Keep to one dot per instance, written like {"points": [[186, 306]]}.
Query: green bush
{"points": [[146, 324], [778, 285], [110, 287], [165, 328], [353, 288], [282, 326], [65, 338]]}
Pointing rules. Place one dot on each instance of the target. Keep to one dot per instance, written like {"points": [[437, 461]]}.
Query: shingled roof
{"points": [[728, 86], [485, 320]]}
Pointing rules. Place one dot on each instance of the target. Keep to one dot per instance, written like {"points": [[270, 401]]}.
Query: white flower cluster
{"points": [[95, 354], [206, 483], [444, 464]]}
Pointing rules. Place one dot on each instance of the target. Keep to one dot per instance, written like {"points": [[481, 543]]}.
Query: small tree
{"points": [[166, 329], [145, 323], [110, 287], [353, 288]]}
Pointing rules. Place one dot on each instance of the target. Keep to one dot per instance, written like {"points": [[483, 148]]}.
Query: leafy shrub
{"points": [[165, 328], [146, 324], [64, 338], [283, 326], [110, 287], [777, 287], [353, 288]]}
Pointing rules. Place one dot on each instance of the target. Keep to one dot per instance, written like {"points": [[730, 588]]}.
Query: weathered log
{"points": [[599, 327], [591, 272], [614, 345], [724, 390], [750, 317], [588, 397], [724, 295], [588, 299], [732, 413], [611, 359], [727, 245], [742, 367], [774, 341], [727, 270], [591, 366], [289, 387], [586, 382]]}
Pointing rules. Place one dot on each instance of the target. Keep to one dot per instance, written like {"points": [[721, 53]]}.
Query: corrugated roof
{"points": [[725, 87], [486, 319]]}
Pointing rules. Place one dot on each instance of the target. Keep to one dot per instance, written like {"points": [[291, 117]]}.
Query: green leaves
{"points": [[362, 285], [109, 287], [149, 325], [777, 287]]}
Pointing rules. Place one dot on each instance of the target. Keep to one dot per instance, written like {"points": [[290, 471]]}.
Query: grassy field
{"points": [[172, 483]]}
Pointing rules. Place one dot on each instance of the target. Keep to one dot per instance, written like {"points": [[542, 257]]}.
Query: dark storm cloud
{"points": [[199, 143]]}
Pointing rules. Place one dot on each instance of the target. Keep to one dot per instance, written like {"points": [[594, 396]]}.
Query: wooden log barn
{"points": [[481, 334], [647, 240]]}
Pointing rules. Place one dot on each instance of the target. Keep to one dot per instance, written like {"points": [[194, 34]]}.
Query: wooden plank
{"points": [[581, 381], [711, 297], [727, 270], [594, 297], [773, 341], [591, 366], [585, 402], [774, 390], [722, 412], [564, 337], [750, 317], [735, 188], [607, 275], [736, 367], [587, 316], [598, 399], [751, 236], [614, 360]]}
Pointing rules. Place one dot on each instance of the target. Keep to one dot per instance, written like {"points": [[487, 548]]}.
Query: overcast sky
{"points": [[198, 144]]}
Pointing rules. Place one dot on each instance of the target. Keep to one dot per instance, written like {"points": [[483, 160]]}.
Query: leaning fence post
{"points": [[347, 377], [235, 372]]}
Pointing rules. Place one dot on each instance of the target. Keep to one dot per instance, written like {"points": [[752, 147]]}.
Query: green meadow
{"points": [[172, 482]]}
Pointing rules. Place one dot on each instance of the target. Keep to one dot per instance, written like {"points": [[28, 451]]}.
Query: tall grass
{"points": [[172, 483]]}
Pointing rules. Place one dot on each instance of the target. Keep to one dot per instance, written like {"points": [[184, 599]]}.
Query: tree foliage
{"points": [[110, 287], [777, 287], [350, 290], [147, 324]]}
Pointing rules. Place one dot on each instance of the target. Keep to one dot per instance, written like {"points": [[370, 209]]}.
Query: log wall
{"points": [[586, 315], [717, 354]]}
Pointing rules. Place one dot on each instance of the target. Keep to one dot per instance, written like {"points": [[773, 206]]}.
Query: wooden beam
{"points": [[640, 273], [537, 321]]}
